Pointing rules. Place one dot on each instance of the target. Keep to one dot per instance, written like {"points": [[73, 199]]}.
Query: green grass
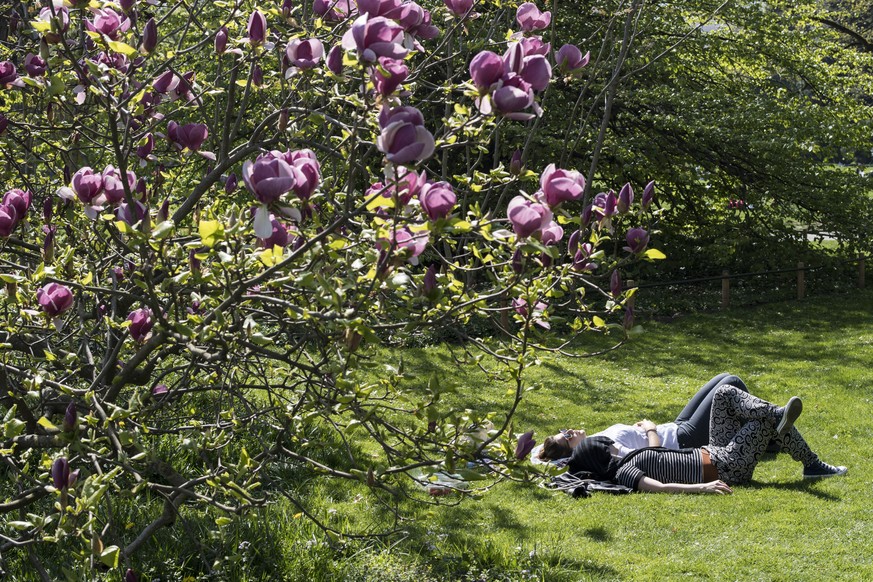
{"points": [[778, 528]]}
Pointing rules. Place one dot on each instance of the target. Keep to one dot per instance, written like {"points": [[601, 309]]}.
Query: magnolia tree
{"points": [[213, 209]]}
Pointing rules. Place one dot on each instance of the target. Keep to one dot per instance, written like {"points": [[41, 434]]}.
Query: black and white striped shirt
{"points": [[664, 466]]}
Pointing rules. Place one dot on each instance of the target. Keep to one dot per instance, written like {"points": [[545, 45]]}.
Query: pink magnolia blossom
{"points": [[60, 23], [221, 41], [530, 18], [269, 176], [408, 242], [333, 10], [9, 75], [437, 200], [378, 7], [486, 69], [113, 186], [388, 75], [374, 37], [8, 220], [189, 136], [637, 240], [403, 138], [513, 98], [108, 22], [304, 54], [569, 59], [459, 7], [537, 71], [527, 216], [625, 198], [552, 233], [141, 323], [19, 200], [279, 236], [87, 184], [310, 172], [35, 65], [54, 299], [335, 60], [560, 185]]}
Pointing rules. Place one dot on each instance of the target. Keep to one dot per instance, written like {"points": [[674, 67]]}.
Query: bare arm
{"points": [[651, 433], [654, 486]]}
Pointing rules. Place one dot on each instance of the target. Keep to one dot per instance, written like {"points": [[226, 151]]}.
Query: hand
{"points": [[646, 425], [717, 487]]}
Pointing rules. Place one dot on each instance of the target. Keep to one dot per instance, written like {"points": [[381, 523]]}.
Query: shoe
{"points": [[820, 469], [789, 414]]}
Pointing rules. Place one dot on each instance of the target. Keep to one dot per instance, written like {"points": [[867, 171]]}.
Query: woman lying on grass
{"points": [[690, 429], [741, 427]]}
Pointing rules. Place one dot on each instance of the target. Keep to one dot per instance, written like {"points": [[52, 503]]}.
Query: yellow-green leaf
{"points": [[655, 254], [120, 47], [211, 231], [46, 423], [110, 555], [598, 321]]}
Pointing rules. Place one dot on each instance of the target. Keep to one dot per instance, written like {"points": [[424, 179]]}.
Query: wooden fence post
{"points": [[860, 271], [801, 280], [725, 289]]}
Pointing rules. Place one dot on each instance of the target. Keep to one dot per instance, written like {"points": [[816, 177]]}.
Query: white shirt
{"points": [[630, 438]]}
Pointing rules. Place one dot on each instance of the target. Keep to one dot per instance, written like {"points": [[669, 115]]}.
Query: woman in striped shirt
{"points": [[690, 429], [741, 426]]}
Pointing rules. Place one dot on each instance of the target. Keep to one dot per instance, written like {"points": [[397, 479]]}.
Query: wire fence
{"points": [[765, 286]]}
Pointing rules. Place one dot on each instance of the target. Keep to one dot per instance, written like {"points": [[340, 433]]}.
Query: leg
{"points": [[795, 445], [737, 459], [693, 421], [732, 409]]}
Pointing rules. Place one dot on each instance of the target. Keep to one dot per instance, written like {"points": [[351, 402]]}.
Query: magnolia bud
{"points": [[517, 262], [48, 245], [283, 120], [615, 283], [163, 211], [47, 210], [71, 418], [221, 41], [515, 165], [149, 37], [231, 183]]}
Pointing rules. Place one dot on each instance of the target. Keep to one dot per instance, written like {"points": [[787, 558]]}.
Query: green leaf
{"points": [[120, 47], [211, 231], [46, 423], [655, 254], [110, 556], [163, 230], [223, 521]]}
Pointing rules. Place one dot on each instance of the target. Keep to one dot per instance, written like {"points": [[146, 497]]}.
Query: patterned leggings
{"points": [[741, 426]]}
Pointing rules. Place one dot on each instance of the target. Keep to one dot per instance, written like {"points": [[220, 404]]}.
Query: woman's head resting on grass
{"points": [[561, 445]]}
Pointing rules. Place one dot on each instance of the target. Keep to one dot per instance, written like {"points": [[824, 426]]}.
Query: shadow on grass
{"points": [[806, 486]]}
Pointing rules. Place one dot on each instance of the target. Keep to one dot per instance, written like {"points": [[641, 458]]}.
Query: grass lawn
{"points": [[778, 528]]}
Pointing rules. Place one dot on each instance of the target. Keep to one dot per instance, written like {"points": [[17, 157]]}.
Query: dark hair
{"points": [[594, 457], [553, 449]]}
